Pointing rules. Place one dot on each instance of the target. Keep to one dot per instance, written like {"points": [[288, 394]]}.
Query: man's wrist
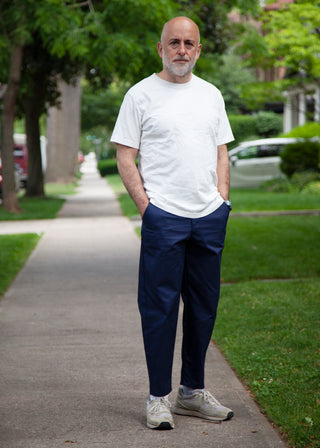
{"points": [[228, 204]]}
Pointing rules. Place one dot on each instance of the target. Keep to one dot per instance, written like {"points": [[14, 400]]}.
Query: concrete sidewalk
{"points": [[72, 360]]}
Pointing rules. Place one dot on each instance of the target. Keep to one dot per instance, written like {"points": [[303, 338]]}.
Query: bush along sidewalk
{"points": [[108, 167]]}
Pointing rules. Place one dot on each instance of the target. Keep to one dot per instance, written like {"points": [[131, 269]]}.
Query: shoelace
{"points": [[210, 398], [160, 405]]}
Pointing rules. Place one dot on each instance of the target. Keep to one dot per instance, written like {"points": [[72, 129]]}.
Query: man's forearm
{"points": [[223, 172], [130, 176]]}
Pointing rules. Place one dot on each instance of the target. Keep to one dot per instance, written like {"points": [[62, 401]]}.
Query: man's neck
{"points": [[174, 78]]}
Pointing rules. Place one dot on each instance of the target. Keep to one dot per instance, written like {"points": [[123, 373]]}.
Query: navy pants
{"points": [[179, 256]]}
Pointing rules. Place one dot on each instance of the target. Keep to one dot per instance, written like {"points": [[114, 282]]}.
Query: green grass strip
{"points": [[269, 331], [14, 251], [34, 208], [271, 248], [261, 200], [56, 189], [41, 208]]}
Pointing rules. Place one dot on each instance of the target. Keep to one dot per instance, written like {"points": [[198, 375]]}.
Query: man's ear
{"points": [[159, 48], [199, 51]]}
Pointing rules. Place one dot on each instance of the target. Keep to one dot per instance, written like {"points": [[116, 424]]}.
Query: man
{"points": [[177, 124]]}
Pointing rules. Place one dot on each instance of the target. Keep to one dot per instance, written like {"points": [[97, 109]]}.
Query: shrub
{"points": [[306, 181], [108, 166], [312, 188], [268, 124], [300, 156], [308, 130], [251, 127], [109, 153], [302, 179], [243, 127]]}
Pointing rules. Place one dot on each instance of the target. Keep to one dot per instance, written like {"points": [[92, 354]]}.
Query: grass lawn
{"points": [[15, 249], [260, 200], [55, 189], [127, 205], [242, 200], [41, 208], [269, 330], [34, 208], [271, 248]]}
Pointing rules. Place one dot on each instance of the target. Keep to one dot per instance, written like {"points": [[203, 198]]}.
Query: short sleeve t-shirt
{"points": [[176, 128]]}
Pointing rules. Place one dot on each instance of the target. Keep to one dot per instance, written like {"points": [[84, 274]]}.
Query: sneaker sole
{"points": [[180, 411], [164, 426]]}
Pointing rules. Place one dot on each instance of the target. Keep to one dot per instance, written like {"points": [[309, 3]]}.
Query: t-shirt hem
{"points": [[124, 142], [226, 141], [189, 214]]}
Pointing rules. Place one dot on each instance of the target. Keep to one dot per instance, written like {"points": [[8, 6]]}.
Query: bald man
{"points": [[176, 124]]}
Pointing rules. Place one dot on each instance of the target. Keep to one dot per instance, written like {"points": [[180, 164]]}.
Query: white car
{"points": [[256, 161]]}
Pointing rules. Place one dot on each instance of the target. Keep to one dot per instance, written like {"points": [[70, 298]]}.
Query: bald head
{"points": [[178, 24], [179, 49]]}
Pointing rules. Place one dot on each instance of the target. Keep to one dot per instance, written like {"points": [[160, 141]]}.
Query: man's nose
{"points": [[182, 49]]}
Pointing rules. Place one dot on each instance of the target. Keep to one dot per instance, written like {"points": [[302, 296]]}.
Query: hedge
{"points": [[243, 128], [308, 130], [299, 157], [251, 127], [108, 166]]}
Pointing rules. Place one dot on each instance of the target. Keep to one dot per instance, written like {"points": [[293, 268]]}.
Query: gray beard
{"points": [[176, 70]]}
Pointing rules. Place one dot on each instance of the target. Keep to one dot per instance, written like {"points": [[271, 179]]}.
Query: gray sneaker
{"points": [[159, 414], [201, 404]]}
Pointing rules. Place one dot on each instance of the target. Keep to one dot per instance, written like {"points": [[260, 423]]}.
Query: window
{"points": [[248, 153], [269, 150]]}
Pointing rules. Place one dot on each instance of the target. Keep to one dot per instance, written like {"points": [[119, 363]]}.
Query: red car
{"points": [[21, 157]]}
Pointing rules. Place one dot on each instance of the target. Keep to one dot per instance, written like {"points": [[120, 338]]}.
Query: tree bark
{"points": [[63, 133], [33, 102], [10, 199]]}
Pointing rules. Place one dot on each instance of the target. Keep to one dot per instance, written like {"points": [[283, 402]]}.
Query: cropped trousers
{"points": [[179, 257]]}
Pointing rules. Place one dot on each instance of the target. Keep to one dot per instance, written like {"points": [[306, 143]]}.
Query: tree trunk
{"points": [[63, 133], [10, 200], [33, 104]]}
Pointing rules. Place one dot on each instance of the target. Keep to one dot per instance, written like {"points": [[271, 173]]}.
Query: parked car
{"points": [[21, 155], [256, 161], [21, 158]]}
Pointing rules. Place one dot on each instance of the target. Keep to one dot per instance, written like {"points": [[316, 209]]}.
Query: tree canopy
{"points": [[293, 38], [107, 40], [290, 37]]}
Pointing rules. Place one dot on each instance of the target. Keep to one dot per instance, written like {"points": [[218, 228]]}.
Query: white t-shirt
{"points": [[176, 128]]}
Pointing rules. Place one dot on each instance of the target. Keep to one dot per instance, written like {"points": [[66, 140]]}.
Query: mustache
{"points": [[181, 59]]}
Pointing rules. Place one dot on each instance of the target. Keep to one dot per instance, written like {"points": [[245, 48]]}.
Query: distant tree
{"points": [[290, 38], [101, 107], [100, 104], [293, 37], [22, 25], [217, 31], [41, 71], [107, 39], [10, 200], [229, 74], [14, 34]]}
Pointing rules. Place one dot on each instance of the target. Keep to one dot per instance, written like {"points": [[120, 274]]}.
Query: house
{"points": [[302, 104]]}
